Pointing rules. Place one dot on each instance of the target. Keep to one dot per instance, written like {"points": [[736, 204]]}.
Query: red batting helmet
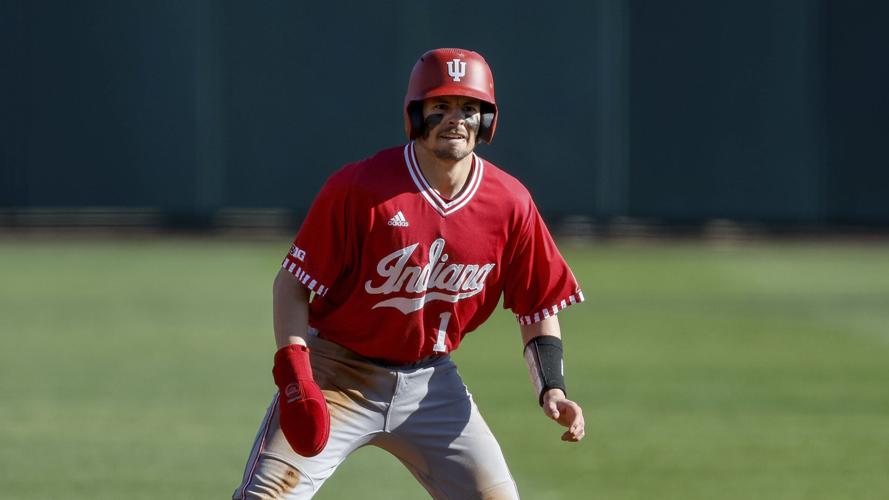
{"points": [[442, 72]]}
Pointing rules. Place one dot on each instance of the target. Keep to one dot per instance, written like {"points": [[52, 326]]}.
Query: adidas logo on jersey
{"points": [[398, 220]]}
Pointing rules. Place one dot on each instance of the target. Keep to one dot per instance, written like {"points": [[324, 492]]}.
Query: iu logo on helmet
{"points": [[457, 69]]}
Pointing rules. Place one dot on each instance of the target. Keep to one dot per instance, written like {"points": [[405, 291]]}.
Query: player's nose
{"points": [[456, 117]]}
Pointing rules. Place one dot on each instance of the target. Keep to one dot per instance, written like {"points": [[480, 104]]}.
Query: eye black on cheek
{"points": [[472, 121], [432, 120]]}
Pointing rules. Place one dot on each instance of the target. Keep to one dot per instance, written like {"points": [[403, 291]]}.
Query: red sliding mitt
{"points": [[304, 417]]}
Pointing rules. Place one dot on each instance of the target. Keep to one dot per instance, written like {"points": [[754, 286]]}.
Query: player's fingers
{"points": [[577, 422], [578, 436], [579, 430], [573, 435], [575, 426], [572, 438]]}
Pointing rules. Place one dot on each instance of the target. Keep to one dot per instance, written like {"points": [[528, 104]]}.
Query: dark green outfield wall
{"points": [[773, 111]]}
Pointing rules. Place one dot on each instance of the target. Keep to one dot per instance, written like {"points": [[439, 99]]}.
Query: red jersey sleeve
{"points": [[321, 249], [539, 282]]}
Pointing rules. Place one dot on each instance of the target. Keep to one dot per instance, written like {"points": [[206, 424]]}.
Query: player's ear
{"points": [[415, 115]]}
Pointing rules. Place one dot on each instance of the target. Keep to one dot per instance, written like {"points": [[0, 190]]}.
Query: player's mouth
{"points": [[453, 136]]}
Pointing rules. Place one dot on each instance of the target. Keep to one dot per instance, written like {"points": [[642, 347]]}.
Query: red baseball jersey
{"points": [[400, 273]]}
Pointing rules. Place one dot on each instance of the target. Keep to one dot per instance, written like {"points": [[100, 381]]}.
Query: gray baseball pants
{"points": [[422, 413]]}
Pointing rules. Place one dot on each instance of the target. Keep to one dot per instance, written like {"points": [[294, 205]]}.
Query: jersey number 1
{"points": [[442, 333]]}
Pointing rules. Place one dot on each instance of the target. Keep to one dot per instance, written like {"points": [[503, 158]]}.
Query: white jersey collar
{"points": [[438, 203]]}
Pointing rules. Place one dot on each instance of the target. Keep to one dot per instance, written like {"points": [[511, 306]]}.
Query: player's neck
{"points": [[446, 177]]}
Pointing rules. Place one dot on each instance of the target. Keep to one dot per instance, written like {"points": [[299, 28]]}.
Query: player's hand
{"points": [[304, 418], [566, 412]]}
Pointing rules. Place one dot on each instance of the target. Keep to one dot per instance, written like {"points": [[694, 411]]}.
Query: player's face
{"points": [[452, 124]]}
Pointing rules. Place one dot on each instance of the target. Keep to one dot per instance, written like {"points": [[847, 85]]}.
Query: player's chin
{"points": [[453, 150]]}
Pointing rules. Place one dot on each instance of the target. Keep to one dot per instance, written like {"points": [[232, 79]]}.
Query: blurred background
{"points": [[201, 113], [717, 174]]}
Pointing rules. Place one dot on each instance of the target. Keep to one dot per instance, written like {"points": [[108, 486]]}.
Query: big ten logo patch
{"points": [[298, 252]]}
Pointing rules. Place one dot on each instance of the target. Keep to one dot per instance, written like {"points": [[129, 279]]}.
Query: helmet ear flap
{"points": [[488, 113], [415, 116]]}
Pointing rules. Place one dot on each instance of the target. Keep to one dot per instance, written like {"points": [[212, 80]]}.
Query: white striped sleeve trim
{"points": [[542, 314], [304, 277]]}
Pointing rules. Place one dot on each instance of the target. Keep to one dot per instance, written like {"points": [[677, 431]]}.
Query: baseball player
{"points": [[400, 256]]}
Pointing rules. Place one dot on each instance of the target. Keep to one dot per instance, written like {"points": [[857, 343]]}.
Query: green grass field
{"points": [[140, 370]]}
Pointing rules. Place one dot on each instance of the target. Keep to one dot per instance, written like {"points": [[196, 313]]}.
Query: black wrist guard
{"points": [[544, 357]]}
